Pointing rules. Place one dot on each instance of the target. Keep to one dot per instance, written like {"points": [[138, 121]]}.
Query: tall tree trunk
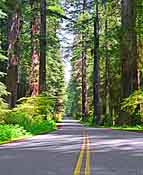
{"points": [[129, 56], [35, 32], [96, 96], [13, 56], [42, 68], [84, 78], [107, 92], [84, 82]]}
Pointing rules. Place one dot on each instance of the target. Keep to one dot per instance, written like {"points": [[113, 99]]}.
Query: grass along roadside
{"points": [[137, 128], [129, 128]]}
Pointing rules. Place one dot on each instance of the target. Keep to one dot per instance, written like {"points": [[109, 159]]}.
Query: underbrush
{"points": [[33, 125], [10, 132], [43, 126], [33, 115]]}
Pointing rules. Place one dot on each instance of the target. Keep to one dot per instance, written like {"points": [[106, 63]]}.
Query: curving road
{"points": [[75, 150]]}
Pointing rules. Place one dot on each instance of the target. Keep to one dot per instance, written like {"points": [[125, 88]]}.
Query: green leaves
{"points": [[2, 14], [42, 105], [131, 103], [42, 126], [10, 132], [2, 57], [57, 9], [3, 90]]}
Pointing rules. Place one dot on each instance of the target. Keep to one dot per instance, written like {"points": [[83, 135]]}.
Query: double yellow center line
{"points": [[84, 149]]}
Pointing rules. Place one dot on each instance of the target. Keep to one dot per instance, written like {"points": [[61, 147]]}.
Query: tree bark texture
{"points": [[129, 56], [84, 71], [42, 68], [96, 81], [13, 55], [35, 32]]}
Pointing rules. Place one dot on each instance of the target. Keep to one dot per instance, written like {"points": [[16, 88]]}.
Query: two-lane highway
{"points": [[75, 150]]}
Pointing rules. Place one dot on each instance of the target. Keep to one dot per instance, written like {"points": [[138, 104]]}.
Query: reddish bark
{"points": [[84, 71], [35, 31], [13, 55]]}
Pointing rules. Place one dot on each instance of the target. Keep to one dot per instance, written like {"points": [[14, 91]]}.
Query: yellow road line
{"points": [[85, 148], [87, 166], [79, 163]]}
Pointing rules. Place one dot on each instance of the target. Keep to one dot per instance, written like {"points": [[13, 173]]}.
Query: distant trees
{"points": [[80, 15], [116, 74]]}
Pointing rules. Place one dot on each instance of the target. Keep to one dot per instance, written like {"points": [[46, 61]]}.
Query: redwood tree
{"points": [[84, 71], [107, 67], [42, 68], [96, 101], [35, 32], [129, 56], [13, 51]]}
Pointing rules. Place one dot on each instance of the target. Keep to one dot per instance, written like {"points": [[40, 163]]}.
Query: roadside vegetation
{"points": [[33, 115]]}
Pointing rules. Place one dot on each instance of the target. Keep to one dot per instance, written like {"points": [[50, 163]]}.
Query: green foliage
{"points": [[33, 125], [82, 22], [3, 104], [2, 57], [2, 6], [55, 71], [42, 126], [134, 106], [131, 103], [18, 118], [34, 114], [107, 121], [56, 8], [3, 90], [9, 132], [34, 106]]}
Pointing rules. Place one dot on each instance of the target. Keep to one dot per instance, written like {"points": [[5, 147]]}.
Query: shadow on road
{"points": [[112, 152]]}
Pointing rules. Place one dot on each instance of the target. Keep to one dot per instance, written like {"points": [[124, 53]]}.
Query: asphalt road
{"points": [[75, 150]]}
